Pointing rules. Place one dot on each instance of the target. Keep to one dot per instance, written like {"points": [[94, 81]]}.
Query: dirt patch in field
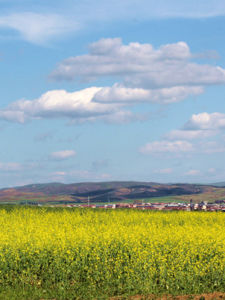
{"points": [[212, 296]]}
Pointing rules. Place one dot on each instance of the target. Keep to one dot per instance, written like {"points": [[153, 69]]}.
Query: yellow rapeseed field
{"points": [[95, 254]]}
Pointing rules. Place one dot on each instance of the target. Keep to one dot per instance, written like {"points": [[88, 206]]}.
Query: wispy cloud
{"points": [[38, 28], [16, 166], [62, 155], [73, 16], [182, 134], [166, 146], [193, 172], [108, 11]]}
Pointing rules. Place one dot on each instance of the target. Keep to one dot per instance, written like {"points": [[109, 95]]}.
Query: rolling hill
{"points": [[118, 191]]}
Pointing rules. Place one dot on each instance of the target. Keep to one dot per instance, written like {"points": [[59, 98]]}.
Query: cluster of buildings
{"points": [[203, 206]]}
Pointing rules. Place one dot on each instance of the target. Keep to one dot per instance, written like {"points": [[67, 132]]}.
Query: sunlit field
{"points": [[97, 254]]}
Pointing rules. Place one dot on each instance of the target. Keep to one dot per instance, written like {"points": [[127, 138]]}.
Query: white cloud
{"points": [[140, 66], [183, 146], [77, 106], [188, 134], [164, 75], [120, 94], [57, 176], [199, 126], [91, 104], [206, 121], [62, 155], [123, 116], [38, 28], [167, 146], [12, 115], [15, 166], [59, 173], [193, 172]]}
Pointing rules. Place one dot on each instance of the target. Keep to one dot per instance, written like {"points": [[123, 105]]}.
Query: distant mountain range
{"points": [[109, 191], [219, 184]]}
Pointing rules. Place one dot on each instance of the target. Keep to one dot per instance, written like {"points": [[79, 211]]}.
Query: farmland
{"points": [[54, 253]]}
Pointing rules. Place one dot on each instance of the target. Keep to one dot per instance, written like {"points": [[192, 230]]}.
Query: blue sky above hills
{"points": [[122, 90]]}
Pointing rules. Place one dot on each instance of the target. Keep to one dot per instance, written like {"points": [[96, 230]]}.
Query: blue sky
{"points": [[120, 90]]}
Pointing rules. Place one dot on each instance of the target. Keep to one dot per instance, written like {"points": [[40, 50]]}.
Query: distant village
{"points": [[203, 206]]}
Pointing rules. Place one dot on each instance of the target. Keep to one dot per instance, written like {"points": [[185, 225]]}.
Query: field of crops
{"points": [[96, 254]]}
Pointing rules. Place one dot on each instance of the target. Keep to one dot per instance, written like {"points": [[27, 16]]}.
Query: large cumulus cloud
{"points": [[140, 73]]}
